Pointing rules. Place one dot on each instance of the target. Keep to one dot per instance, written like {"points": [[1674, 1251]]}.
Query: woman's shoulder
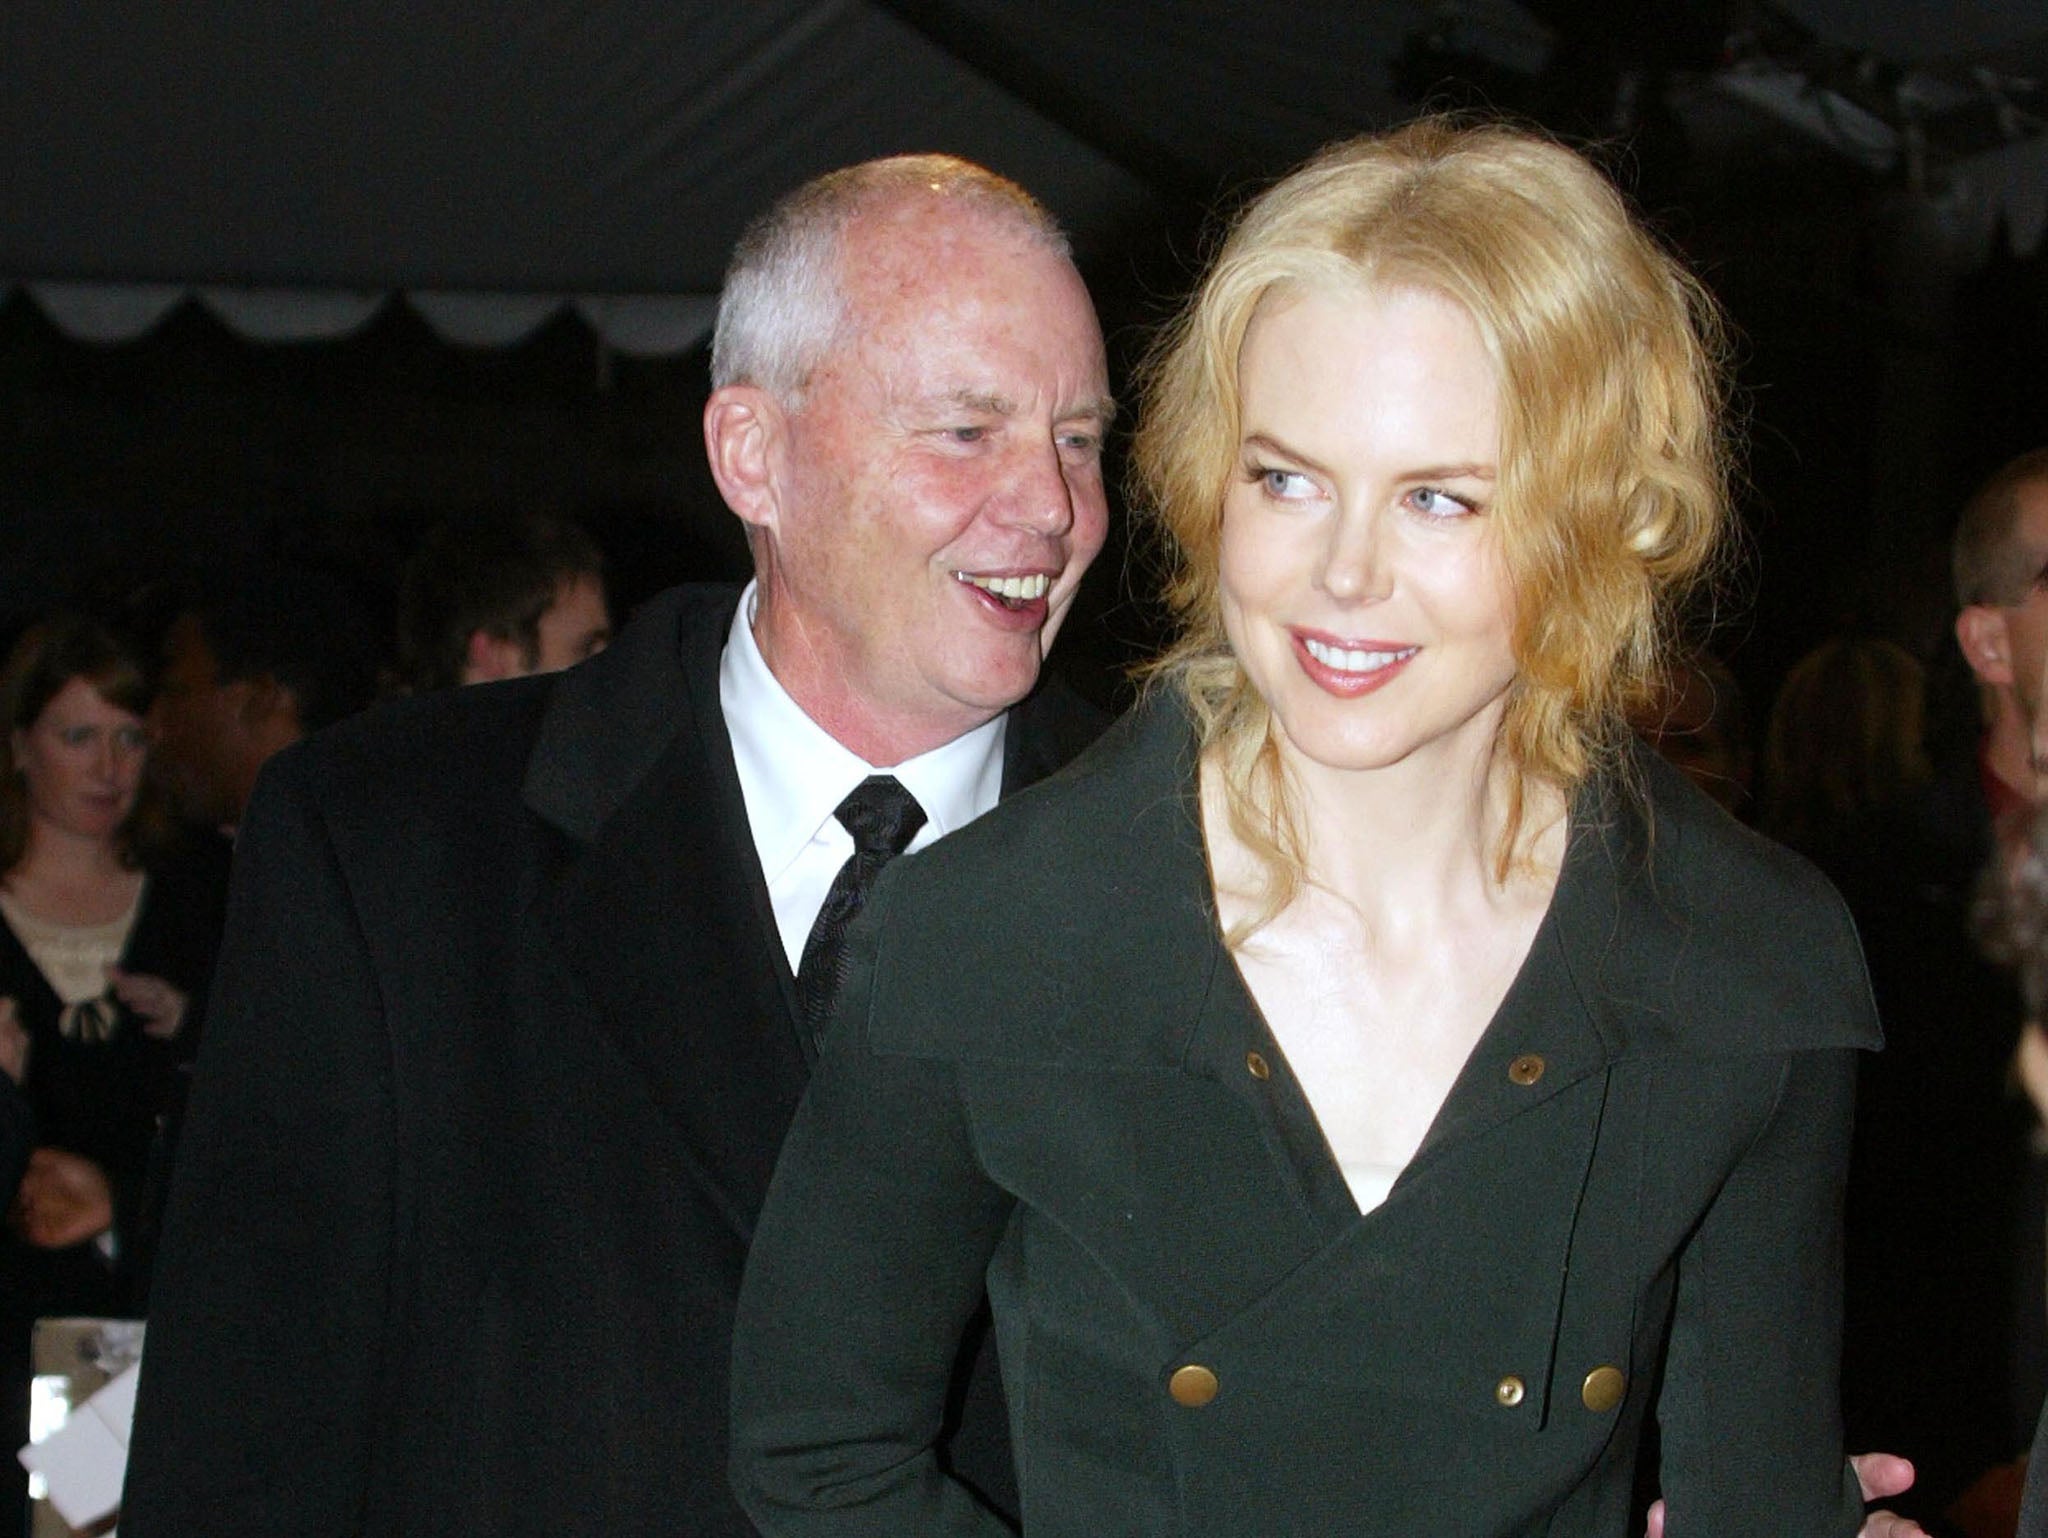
{"points": [[1081, 898], [1721, 939], [1128, 793]]}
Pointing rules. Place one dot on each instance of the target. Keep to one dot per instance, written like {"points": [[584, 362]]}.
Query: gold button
{"points": [[1256, 1065], [1509, 1391], [1193, 1386], [1603, 1389], [1526, 1069]]}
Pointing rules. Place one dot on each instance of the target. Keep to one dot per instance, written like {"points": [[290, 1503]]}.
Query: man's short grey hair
{"points": [[783, 302], [1992, 565]]}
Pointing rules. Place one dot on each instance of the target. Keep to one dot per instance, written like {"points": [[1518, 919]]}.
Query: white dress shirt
{"points": [[793, 774]]}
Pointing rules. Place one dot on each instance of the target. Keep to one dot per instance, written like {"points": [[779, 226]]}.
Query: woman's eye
{"points": [[1438, 504], [1286, 485]]}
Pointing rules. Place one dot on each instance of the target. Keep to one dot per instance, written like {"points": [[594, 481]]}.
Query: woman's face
{"points": [[1363, 586], [81, 760]]}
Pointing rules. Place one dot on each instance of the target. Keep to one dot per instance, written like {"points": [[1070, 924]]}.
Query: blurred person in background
{"points": [[109, 918], [1844, 743], [1697, 722], [1940, 1356], [17, 1126], [500, 597], [257, 659]]}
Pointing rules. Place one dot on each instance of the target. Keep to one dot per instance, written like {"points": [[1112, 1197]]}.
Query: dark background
{"points": [[1892, 339]]}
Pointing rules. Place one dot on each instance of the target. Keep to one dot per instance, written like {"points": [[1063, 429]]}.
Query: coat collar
{"points": [[610, 720], [1671, 929], [649, 889]]}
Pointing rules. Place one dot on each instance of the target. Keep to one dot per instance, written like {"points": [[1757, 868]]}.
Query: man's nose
{"points": [[1038, 495]]}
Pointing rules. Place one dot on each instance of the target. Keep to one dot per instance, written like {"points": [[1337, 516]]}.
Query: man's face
{"points": [[2026, 622], [576, 625], [2007, 647], [194, 722], [939, 491]]}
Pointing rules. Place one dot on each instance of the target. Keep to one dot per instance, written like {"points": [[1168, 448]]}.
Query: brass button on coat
{"points": [[1603, 1389], [1526, 1069], [1193, 1386], [1256, 1066], [1509, 1391]]}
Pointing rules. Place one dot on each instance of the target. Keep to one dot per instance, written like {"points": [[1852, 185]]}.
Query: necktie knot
{"points": [[881, 815]]}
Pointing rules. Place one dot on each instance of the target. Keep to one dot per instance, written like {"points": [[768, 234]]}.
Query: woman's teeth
{"points": [[1347, 661]]}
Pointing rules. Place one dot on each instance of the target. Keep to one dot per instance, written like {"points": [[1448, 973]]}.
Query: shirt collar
{"points": [[793, 773]]}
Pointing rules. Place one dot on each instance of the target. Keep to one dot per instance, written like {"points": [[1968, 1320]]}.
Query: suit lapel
{"points": [[656, 900]]}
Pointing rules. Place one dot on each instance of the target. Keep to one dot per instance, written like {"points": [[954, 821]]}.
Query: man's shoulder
{"points": [[475, 746], [455, 745], [1048, 729]]}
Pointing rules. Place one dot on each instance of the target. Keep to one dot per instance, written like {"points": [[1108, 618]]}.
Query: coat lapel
{"points": [[655, 897], [1544, 1038]]}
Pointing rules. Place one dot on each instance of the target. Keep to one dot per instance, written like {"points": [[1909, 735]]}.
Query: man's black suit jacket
{"points": [[501, 1052]]}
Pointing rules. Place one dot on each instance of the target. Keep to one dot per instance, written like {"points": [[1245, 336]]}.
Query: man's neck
{"points": [[2009, 750]]}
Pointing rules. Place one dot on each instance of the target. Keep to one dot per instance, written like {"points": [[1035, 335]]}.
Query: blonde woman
{"points": [[1357, 1079]]}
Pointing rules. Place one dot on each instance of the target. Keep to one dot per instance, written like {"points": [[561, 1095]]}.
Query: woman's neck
{"points": [[72, 880], [1416, 845]]}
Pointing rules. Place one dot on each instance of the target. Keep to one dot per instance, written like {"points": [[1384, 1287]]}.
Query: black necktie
{"points": [[883, 818]]}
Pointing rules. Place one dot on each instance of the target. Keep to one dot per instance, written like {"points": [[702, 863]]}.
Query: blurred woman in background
{"points": [[109, 918]]}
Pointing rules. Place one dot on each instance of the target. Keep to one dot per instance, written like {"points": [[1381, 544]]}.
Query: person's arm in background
{"points": [[17, 1126]]}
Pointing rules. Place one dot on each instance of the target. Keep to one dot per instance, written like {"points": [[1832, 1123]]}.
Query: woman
{"points": [[108, 935], [1844, 745], [1360, 1075]]}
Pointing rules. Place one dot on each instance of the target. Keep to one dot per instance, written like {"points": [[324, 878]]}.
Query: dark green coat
{"points": [[1047, 1071]]}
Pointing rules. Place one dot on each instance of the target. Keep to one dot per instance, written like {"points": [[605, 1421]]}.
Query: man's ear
{"points": [[1981, 632], [490, 657], [745, 429]]}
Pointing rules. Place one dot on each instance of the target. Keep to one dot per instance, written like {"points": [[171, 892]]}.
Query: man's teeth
{"points": [[1347, 661], [1016, 589]]}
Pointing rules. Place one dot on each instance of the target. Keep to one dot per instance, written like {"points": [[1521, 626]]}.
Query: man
{"points": [[500, 597], [2001, 572], [263, 656], [505, 1035], [1932, 1361]]}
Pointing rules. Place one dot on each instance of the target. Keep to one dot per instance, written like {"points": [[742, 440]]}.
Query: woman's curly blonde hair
{"points": [[1612, 497]]}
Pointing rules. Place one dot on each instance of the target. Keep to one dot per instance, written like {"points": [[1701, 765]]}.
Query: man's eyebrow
{"points": [[983, 400], [1101, 409]]}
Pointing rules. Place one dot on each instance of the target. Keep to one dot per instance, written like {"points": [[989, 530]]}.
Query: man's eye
{"points": [[967, 434]]}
